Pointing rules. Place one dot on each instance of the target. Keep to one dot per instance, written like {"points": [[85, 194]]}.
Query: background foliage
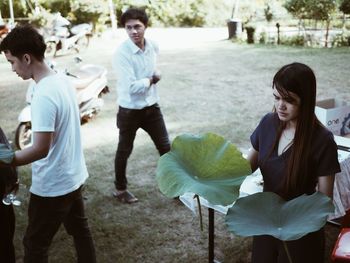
{"points": [[183, 13], [345, 6]]}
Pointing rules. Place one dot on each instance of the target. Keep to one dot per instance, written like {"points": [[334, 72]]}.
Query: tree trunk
{"points": [[327, 32]]}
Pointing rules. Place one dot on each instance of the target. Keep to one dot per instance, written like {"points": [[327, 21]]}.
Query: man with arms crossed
{"points": [[58, 165], [135, 65]]}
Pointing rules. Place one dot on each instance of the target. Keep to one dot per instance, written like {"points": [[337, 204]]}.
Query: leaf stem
{"points": [[200, 211], [287, 251]]}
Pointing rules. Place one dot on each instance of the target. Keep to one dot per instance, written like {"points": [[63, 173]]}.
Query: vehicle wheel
{"points": [[50, 49], [24, 135]]}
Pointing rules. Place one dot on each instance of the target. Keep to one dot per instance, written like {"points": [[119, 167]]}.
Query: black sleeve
{"points": [[326, 156], [254, 139], [8, 175], [261, 130]]}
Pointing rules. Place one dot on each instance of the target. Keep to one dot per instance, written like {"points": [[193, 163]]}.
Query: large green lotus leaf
{"points": [[207, 165], [268, 214]]}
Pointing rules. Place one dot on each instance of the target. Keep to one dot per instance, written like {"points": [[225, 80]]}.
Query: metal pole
{"points": [[235, 9], [12, 17], [112, 16], [278, 33], [1, 20], [211, 235]]}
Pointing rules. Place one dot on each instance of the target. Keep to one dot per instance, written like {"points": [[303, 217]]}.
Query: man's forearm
{"points": [[39, 149], [27, 156]]}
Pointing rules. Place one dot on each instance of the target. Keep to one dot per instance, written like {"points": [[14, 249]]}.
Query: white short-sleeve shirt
{"points": [[54, 109]]}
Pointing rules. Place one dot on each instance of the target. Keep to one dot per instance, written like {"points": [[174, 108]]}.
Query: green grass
{"points": [[219, 87]]}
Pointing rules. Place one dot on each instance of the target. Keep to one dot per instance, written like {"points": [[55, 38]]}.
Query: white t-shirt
{"points": [[54, 109]]}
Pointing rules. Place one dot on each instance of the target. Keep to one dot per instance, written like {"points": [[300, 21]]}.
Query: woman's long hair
{"points": [[299, 79]]}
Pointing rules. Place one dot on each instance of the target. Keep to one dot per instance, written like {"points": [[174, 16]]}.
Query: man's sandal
{"points": [[125, 197]]}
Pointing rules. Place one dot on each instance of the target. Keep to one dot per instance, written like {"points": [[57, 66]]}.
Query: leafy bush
{"points": [[341, 40], [82, 11], [37, 21], [54, 6], [182, 13], [87, 11], [263, 37], [268, 13], [293, 41], [19, 8], [177, 13], [250, 34], [193, 17]]}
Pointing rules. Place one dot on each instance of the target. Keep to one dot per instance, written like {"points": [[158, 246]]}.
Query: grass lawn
{"points": [[215, 86]]}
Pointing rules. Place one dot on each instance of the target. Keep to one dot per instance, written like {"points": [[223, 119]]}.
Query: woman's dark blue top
{"points": [[324, 160]]}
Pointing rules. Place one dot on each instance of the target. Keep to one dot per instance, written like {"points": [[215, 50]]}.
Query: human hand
{"points": [[155, 79], [156, 76]]}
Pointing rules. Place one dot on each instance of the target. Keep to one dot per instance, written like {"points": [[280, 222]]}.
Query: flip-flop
{"points": [[125, 197]]}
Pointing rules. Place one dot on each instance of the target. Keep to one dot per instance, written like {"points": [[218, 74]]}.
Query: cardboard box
{"points": [[343, 143], [335, 115], [343, 140]]}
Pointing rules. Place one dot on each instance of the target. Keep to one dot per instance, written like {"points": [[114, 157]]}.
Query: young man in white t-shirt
{"points": [[58, 165]]}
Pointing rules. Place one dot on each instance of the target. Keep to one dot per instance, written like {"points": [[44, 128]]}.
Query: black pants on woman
{"points": [[150, 119], [7, 230]]}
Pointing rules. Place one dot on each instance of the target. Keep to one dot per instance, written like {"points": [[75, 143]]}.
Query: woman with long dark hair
{"points": [[296, 155]]}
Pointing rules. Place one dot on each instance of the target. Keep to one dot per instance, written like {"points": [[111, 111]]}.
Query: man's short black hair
{"points": [[134, 13], [24, 39]]}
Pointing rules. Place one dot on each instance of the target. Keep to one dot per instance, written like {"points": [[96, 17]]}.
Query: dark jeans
{"points": [[7, 231], [45, 215], [310, 248], [129, 121]]}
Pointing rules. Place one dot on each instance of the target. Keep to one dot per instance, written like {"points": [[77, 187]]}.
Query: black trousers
{"points": [[310, 248], [45, 216], [129, 121], [7, 231]]}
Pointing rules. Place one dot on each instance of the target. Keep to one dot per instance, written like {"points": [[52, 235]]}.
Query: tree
{"points": [[345, 7], [20, 8], [313, 9], [87, 11], [322, 10], [62, 6], [268, 13], [298, 8]]}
